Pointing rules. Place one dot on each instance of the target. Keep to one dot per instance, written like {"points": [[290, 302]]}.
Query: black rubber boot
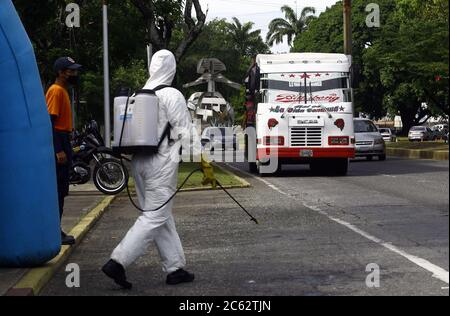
{"points": [[67, 239], [116, 272], [179, 276]]}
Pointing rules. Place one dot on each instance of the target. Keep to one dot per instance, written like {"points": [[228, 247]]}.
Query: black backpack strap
{"points": [[161, 87], [165, 134]]}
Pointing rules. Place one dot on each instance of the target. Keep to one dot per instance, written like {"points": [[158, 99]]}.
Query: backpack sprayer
{"points": [[141, 134]]}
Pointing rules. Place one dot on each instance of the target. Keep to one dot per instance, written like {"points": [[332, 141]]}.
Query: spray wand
{"points": [[252, 218]]}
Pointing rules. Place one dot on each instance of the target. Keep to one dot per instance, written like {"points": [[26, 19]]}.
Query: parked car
{"points": [[437, 134], [369, 142], [440, 127], [440, 131], [388, 135], [421, 133], [219, 138]]}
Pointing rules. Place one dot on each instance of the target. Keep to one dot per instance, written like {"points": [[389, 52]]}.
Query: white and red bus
{"points": [[304, 113]]}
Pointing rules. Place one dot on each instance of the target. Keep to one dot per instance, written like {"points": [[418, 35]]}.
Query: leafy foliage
{"points": [[290, 27], [232, 42], [395, 65]]}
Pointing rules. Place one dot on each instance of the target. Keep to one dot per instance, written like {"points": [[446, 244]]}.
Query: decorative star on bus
{"points": [[305, 76]]}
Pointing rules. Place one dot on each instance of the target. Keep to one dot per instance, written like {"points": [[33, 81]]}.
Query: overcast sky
{"points": [[260, 12]]}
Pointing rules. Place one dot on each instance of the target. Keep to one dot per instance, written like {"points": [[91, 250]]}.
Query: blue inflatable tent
{"points": [[29, 217]]}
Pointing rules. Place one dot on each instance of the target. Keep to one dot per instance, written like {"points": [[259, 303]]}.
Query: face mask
{"points": [[73, 80]]}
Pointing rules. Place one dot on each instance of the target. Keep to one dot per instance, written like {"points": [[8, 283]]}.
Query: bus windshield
{"points": [[306, 88]]}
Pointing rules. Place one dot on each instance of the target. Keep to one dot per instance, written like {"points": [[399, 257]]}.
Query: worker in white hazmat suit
{"points": [[156, 181]]}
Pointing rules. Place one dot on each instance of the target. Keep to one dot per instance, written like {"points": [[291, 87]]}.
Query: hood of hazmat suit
{"points": [[156, 175]]}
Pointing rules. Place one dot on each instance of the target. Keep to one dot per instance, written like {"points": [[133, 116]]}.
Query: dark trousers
{"points": [[62, 171]]}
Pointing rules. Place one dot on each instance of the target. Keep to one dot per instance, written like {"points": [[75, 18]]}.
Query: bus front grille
{"points": [[306, 136]]}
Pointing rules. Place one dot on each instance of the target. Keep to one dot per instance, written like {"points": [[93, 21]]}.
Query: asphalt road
{"points": [[317, 236]]}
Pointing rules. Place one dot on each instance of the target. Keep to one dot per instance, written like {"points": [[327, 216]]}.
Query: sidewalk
{"points": [[84, 207], [81, 201]]}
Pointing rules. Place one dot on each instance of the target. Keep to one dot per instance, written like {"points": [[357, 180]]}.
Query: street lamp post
{"points": [[106, 76]]}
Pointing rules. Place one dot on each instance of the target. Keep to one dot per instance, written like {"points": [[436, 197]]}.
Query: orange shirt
{"points": [[58, 104]]}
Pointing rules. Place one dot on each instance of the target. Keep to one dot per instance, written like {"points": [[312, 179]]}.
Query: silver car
{"points": [[420, 133], [388, 134], [369, 142], [219, 138]]}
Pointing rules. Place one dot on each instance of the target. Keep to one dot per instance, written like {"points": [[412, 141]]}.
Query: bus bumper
{"points": [[302, 154]]}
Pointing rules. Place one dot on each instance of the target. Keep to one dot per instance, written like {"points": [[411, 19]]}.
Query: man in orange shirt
{"points": [[60, 110]]}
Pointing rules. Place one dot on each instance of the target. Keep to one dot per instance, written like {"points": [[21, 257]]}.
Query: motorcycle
{"points": [[109, 175]]}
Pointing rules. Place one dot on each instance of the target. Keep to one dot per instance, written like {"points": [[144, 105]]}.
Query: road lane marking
{"points": [[437, 272]]}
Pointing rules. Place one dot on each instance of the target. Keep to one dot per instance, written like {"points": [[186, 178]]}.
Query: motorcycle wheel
{"points": [[110, 177]]}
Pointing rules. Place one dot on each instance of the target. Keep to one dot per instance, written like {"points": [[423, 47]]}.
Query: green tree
{"points": [[218, 40], [325, 35], [51, 39], [246, 40], [412, 51], [394, 66], [163, 17], [128, 38], [291, 27]]}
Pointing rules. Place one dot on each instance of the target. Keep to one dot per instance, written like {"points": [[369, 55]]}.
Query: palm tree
{"points": [[246, 41], [291, 26]]}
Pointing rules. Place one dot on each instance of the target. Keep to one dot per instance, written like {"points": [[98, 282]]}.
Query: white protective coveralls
{"points": [[156, 175]]}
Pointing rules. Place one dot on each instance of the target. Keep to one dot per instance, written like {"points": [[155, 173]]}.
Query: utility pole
{"points": [[348, 38], [348, 27], [106, 75]]}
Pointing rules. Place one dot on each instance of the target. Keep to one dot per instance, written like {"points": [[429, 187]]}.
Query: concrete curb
{"points": [[33, 282], [418, 154], [228, 171], [244, 184]]}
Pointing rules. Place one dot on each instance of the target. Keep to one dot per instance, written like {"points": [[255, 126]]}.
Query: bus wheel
{"points": [[263, 169], [340, 167], [252, 167]]}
